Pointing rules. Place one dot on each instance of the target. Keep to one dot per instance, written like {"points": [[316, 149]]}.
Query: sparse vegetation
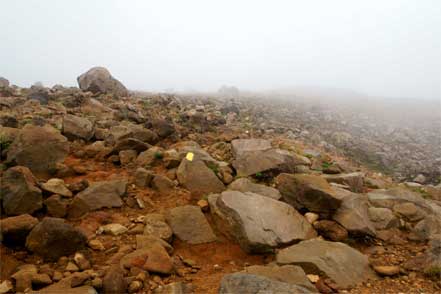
{"points": [[5, 142], [433, 272], [158, 155]]}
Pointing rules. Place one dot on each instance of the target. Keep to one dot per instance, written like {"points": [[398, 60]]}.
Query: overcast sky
{"points": [[383, 48]]}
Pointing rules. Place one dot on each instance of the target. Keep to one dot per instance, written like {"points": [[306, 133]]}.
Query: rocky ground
{"points": [[104, 191]]}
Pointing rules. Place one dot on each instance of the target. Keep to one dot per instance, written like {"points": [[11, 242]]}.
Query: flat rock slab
{"points": [[98, 195], [153, 258], [242, 146], [189, 224], [290, 274], [355, 180], [344, 265], [245, 185], [308, 191], [260, 223], [239, 283]]}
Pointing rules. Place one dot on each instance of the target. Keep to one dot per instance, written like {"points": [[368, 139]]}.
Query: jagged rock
{"points": [[127, 130], [308, 191], [19, 191], [153, 258], [56, 206], [99, 80], [150, 157], [353, 215], [331, 230], [245, 185], [382, 218], [253, 284], [162, 184], [409, 211], [344, 265], [15, 229], [143, 177], [189, 224], [114, 229], [260, 223], [290, 274], [98, 195], [38, 148], [155, 225], [56, 186], [196, 177], [114, 281], [353, 180], [53, 238], [243, 146], [76, 127], [146, 240], [130, 144]]}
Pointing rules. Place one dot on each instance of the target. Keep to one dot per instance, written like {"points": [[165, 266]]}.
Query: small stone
{"points": [[217, 267], [114, 229], [78, 279], [135, 286], [6, 286], [56, 186], [57, 276], [96, 244], [311, 217], [41, 279], [387, 270], [97, 283], [203, 204], [313, 278], [81, 261], [72, 267], [142, 276]]}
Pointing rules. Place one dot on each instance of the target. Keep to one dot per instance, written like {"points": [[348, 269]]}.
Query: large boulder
{"points": [[260, 223], [354, 180], [189, 224], [76, 127], [127, 130], [243, 146], [98, 195], [353, 214], [290, 274], [4, 83], [196, 177], [53, 238], [15, 229], [272, 160], [344, 265], [253, 284], [19, 191], [308, 191], [39, 149], [245, 185], [99, 80]]}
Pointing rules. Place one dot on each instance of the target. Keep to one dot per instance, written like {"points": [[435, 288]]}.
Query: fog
{"points": [[378, 48]]}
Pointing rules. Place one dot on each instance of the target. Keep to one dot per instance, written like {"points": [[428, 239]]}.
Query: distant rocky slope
{"points": [[109, 191]]}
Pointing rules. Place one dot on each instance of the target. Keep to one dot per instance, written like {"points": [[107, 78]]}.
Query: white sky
{"points": [[384, 47]]}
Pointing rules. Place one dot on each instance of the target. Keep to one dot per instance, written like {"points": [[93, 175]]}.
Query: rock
{"points": [[127, 156], [27, 148], [56, 206], [260, 223], [4, 83], [127, 130], [56, 186], [81, 261], [78, 279], [420, 179], [243, 146], [353, 180], [96, 245], [99, 80], [426, 229], [409, 211], [15, 229], [253, 284], [53, 238], [331, 230], [344, 265], [64, 286], [76, 127], [113, 281], [19, 191], [387, 270], [353, 215], [114, 229], [163, 127], [39, 93], [311, 217], [23, 277], [272, 160], [130, 144], [382, 218], [196, 177], [6, 285], [143, 241], [162, 184], [135, 286], [171, 159], [151, 157], [203, 204], [308, 191], [245, 185], [189, 224], [143, 177], [41, 280], [155, 225], [98, 195], [290, 274], [153, 258], [174, 288]]}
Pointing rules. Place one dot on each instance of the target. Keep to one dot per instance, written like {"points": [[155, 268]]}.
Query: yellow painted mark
{"points": [[189, 156]]}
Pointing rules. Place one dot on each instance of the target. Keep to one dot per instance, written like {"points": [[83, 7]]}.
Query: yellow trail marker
{"points": [[189, 156]]}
